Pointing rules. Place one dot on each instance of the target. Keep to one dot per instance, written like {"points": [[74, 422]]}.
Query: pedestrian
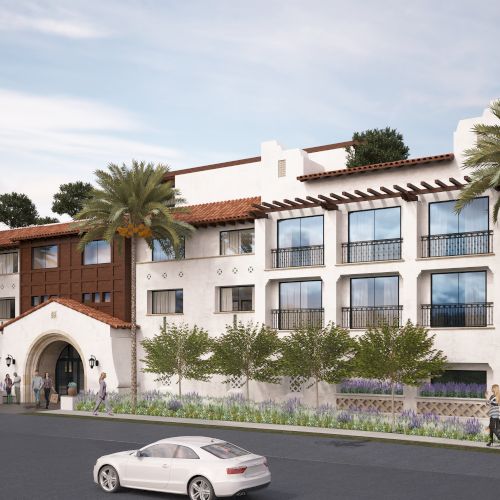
{"points": [[102, 395], [8, 387], [493, 402], [47, 387], [17, 387], [36, 387]]}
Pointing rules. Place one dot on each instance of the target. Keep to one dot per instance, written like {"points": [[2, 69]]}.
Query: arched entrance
{"points": [[58, 355]]}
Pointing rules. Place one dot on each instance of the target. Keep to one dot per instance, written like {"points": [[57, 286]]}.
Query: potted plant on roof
{"points": [[72, 389]]}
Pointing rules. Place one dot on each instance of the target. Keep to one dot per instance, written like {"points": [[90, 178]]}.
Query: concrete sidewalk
{"points": [[384, 436]]}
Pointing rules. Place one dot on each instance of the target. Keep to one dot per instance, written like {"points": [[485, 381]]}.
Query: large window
{"points": [[7, 308], [167, 301], [237, 242], [8, 263], [44, 257], [374, 235], [236, 298], [97, 252], [40, 299], [458, 234], [167, 252]]}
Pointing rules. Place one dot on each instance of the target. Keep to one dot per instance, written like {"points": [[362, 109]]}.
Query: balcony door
{"points": [[300, 304]]}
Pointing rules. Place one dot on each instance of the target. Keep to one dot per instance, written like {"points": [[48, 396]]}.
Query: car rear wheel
{"points": [[200, 489], [108, 479]]}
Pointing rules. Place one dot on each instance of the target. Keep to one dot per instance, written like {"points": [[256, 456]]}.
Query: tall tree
{"points": [[376, 146], [484, 162], [17, 210], [71, 197], [398, 354], [178, 350], [133, 203], [318, 354], [40, 221], [249, 351]]}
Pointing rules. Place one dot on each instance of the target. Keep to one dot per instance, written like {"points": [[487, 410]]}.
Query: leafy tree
{"points": [[484, 162], [129, 204], [71, 197], [321, 354], [46, 220], [248, 351], [178, 350], [17, 210], [398, 354], [376, 146]]}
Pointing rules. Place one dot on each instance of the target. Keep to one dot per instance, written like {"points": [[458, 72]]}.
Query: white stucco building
{"points": [[289, 236]]}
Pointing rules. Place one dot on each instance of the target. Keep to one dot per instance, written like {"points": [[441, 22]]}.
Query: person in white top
{"points": [[36, 386], [17, 387]]}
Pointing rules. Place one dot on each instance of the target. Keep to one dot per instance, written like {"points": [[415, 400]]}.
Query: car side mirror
{"points": [[139, 454]]}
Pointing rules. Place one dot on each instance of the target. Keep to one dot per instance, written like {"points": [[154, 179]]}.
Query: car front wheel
{"points": [[108, 479], [200, 489]]}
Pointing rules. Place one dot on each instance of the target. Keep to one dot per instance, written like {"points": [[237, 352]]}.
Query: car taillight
{"points": [[236, 470]]}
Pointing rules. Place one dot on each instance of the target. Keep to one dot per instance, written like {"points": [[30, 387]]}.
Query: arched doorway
{"points": [[69, 368]]}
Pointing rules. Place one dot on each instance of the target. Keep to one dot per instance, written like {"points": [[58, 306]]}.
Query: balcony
{"points": [[446, 245], [371, 251], [291, 319], [457, 315], [298, 256], [360, 317]]}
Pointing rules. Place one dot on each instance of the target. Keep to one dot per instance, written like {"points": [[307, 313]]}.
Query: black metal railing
{"points": [[298, 256], [290, 319], [457, 315], [368, 316], [470, 243], [373, 250]]}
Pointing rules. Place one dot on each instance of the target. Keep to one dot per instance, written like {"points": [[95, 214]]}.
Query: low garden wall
{"points": [[452, 407], [369, 402]]}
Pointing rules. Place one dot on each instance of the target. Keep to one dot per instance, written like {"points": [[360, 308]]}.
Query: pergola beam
{"points": [[406, 195]]}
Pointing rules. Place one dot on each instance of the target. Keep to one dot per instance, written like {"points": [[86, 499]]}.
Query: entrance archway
{"points": [[61, 357]]}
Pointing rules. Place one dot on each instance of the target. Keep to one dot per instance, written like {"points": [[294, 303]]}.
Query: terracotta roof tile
{"points": [[76, 306], [10, 237], [377, 166]]}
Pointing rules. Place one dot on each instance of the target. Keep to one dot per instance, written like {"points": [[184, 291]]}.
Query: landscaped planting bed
{"points": [[453, 390], [368, 386], [291, 412]]}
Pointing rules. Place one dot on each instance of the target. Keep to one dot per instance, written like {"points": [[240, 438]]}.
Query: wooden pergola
{"points": [[333, 200]]}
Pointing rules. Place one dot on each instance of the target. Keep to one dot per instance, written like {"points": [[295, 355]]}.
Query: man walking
{"points": [[36, 386], [17, 387]]}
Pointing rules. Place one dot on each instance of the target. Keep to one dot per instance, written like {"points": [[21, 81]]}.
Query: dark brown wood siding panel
{"points": [[71, 278]]}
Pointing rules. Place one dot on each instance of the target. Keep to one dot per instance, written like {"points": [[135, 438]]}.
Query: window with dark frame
{"points": [[97, 252], [159, 254], [45, 257], [9, 263], [237, 241], [236, 298], [7, 308], [167, 301]]}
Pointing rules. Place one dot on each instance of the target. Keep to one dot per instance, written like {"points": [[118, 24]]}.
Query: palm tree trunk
{"points": [[133, 328]]}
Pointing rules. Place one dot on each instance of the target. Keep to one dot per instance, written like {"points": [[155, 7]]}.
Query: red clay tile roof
{"points": [[10, 237], [377, 166], [76, 306]]}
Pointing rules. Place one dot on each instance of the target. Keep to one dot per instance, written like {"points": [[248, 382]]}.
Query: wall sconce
{"points": [[9, 360], [93, 361]]}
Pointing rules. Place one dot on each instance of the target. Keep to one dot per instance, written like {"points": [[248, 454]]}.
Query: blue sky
{"points": [[85, 83]]}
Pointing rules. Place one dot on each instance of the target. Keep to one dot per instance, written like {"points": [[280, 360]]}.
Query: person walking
{"points": [[17, 387], [493, 403], [102, 395], [47, 387], [8, 387], [36, 387]]}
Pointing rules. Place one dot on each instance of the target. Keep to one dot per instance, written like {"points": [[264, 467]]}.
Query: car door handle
{"points": [[165, 466]]}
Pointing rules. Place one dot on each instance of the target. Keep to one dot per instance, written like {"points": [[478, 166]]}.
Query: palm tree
{"points": [[484, 161], [133, 203]]}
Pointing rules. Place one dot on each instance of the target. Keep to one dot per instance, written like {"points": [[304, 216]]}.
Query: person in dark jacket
{"points": [[102, 395], [493, 403], [47, 387], [8, 387]]}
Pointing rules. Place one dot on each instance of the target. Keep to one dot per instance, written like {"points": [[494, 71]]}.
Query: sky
{"points": [[84, 82]]}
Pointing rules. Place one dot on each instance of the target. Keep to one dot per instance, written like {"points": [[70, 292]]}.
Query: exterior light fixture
{"points": [[93, 361], [9, 360]]}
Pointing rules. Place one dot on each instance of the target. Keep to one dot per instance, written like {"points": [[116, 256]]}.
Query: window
{"points": [[161, 450], [237, 242], [96, 297], [300, 232], [300, 295], [106, 297], [44, 257], [461, 377], [7, 308], [87, 297], [185, 453], [281, 168], [97, 252], [8, 263], [40, 299], [167, 302], [161, 254], [236, 298], [225, 450]]}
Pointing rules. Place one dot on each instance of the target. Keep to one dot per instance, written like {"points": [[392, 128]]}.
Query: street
{"points": [[48, 457]]}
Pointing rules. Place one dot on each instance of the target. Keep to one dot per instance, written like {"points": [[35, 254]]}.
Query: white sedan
{"points": [[200, 467]]}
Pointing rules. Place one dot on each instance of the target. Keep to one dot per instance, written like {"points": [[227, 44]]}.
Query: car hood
{"points": [[120, 453]]}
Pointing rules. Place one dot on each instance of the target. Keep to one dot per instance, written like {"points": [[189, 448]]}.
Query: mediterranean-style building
{"points": [[285, 238]]}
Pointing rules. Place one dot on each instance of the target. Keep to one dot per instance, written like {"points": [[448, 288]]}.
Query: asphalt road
{"points": [[44, 457]]}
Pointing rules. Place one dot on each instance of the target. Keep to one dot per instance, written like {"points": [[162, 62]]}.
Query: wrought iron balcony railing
{"points": [[457, 315], [369, 251], [444, 245], [298, 256], [290, 319], [368, 316]]}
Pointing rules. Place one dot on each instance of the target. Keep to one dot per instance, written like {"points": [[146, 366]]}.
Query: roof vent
{"points": [[281, 168]]}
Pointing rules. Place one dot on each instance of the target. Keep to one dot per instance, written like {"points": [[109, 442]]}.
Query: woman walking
{"points": [[494, 412], [102, 395], [8, 387], [47, 386]]}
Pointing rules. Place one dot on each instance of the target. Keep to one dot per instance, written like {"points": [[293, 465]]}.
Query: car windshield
{"points": [[225, 450]]}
